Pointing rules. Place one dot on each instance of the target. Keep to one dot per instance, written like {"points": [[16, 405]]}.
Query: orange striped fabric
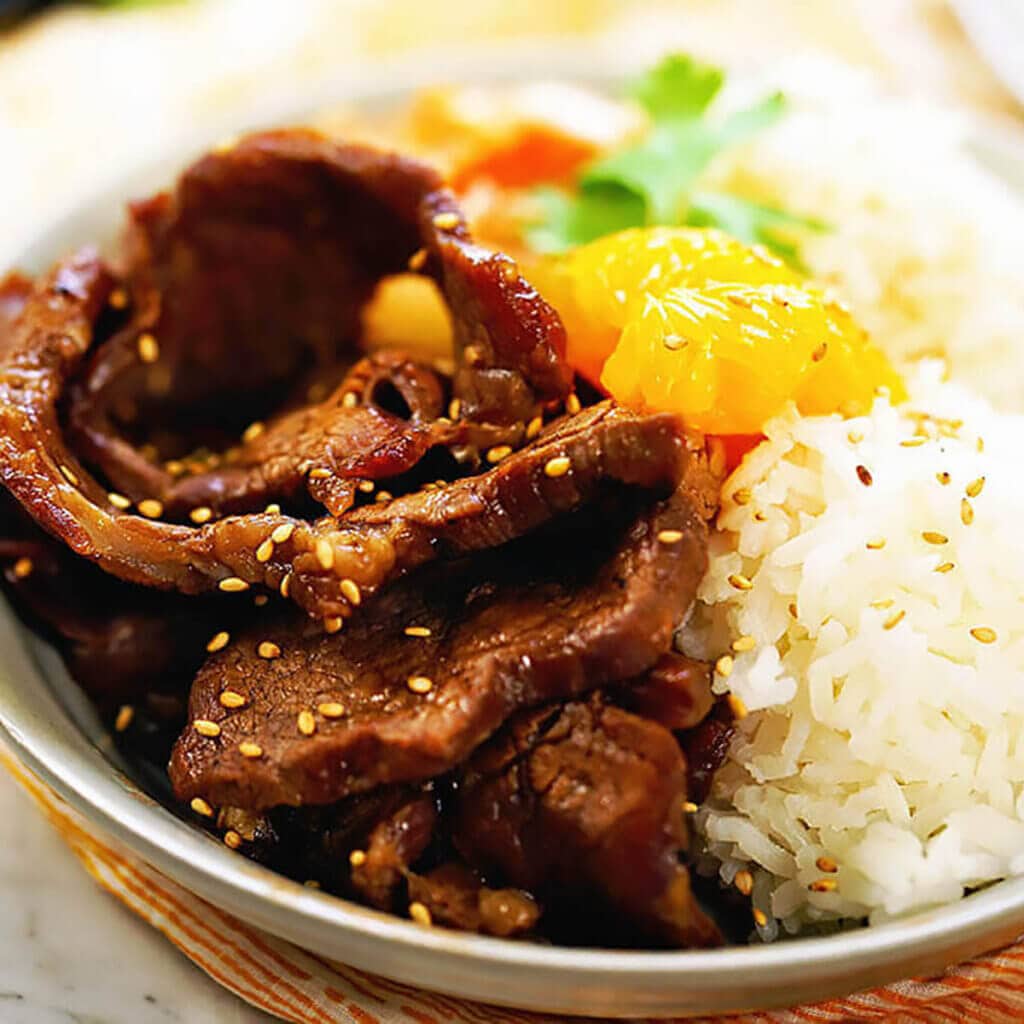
{"points": [[297, 986]]}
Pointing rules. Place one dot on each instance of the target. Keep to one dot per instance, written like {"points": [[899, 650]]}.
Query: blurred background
{"points": [[89, 89]]}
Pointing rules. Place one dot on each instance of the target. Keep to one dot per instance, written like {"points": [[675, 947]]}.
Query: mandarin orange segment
{"points": [[694, 322]]}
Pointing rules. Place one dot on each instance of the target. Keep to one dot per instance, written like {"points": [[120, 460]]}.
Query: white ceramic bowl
{"points": [[51, 726]]}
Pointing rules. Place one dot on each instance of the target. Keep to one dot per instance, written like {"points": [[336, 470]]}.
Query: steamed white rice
{"points": [[884, 678]]}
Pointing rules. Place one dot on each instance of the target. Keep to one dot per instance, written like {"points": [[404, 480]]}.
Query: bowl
{"points": [[50, 725]]}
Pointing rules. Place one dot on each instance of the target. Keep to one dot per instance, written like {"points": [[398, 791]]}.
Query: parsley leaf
{"points": [[654, 180], [678, 86]]}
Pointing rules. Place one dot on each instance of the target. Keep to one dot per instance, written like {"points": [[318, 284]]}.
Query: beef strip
{"points": [[352, 436], [370, 547], [560, 612], [676, 692], [219, 214], [580, 804], [456, 897], [397, 841], [257, 266]]}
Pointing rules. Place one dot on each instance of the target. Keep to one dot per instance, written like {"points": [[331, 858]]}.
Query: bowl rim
{"points": [[568, 980]]}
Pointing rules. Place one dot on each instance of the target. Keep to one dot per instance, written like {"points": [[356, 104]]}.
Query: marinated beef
{"points": [[454, 896], [584, 802], [552, 616], [410, 725]]}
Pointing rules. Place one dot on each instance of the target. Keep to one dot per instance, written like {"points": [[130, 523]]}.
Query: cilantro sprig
{"points": [[657, 179]]}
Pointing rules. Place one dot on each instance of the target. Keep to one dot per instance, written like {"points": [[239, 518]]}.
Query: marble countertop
{"points": [[72, 953]]}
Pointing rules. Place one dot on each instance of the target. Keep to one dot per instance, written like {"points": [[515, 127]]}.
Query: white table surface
{"points": [[69, 952]]}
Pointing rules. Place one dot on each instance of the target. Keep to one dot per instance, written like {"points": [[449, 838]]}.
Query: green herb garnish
{"points": [[655, 181]]}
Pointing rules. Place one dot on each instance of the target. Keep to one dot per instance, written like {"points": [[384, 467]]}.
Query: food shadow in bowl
{"points": [[53, 728]]}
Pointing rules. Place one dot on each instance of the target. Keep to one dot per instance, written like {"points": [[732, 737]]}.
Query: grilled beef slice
{"points": [[560, 612]]}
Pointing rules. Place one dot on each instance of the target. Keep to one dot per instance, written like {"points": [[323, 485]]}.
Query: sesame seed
{"points": [[232, 839], [737, 707], [446, 221], [324, 554], [201, 807], [760, 517], [205, 727], [820, 352], [69, 475], [311, 883], [306, 723], [119, 500], [201, 514], [151, 508], [724, 666], [420, 684], [534, 427], [260, 600], [125, 715], [331, 709], [933, 537], [966, 512], [420, 914], [232, 585], [572, 404], [981, 444], [824, 885], [885, 602], [455, 408], [670, 536], [744, 643], [351, 592], [333, 623], [148, 349], [689, 807], [417, 631], [349, 400], [912, 442], [984, 635], [742, 495], [744, 881], [285, 586], [118, 299], [23, 568], [366, 486], [864, 476], [282, 533], [740, 582], [175, 467], [894, 620], [855, 437], [232, 700], [558, 466], [252, 431], [945, 567], [417, 259], [760, 918], [875, 545], [268, 649], [319, 473], [357, 858], [383, 496], [943, 477], [249, 749], [273, 509], [265, 551], [498, 452], [793, 610], [717, 460], [826, 864], [974, 488]]}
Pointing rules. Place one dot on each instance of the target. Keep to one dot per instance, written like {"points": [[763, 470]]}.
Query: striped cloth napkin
{"points": [[300, 987]]}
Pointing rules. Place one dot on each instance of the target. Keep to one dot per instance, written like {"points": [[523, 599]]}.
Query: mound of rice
{"points": [[866, 607], [922, 240]]}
